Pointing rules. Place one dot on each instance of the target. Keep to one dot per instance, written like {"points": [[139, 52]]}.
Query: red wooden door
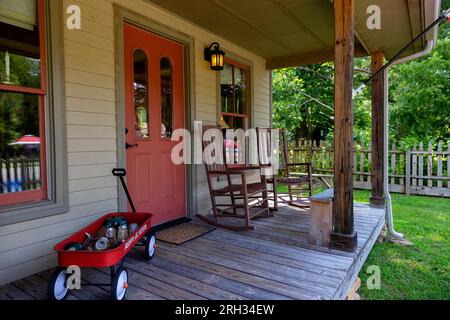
{"points": [[154, 102]]}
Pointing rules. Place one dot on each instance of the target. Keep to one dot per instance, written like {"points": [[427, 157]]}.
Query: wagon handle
{"points": [[119, 172]]}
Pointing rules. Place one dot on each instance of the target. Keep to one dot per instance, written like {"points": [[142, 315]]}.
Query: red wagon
{"points": [[112, 258]]}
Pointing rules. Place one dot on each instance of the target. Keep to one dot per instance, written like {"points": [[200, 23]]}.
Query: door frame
{"points": [[123, 15]]}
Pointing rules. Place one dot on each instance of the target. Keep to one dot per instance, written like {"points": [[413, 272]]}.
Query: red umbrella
{"points": [[27, 140]]}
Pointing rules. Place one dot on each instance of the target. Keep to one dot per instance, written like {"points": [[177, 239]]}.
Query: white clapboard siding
{"points": [[89, 145], [91, 119], [87, 106], [21, 270], [83, 51], [82, 172], [90, 92], [92, 158], [92, 196], [90, 76], [74, 214], [90, 132], [92, 183], [89, 65], [83, 77]]}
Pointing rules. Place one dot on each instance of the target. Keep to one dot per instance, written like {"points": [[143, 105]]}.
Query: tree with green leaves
{"points": [[419, 99]]}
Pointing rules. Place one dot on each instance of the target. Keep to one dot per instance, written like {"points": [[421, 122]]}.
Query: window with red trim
{"points": [[234, 95], [234, 89], [22, 97]]}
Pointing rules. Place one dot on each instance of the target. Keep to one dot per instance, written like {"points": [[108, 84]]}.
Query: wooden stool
{"points": [[321, 218]]}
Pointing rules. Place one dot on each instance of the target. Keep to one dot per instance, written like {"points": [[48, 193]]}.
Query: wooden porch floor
{"points": [[274, 261]]}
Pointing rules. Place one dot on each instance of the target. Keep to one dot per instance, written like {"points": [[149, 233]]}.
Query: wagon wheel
{"points": [[119, 284], [150, 246], [57, 287]]}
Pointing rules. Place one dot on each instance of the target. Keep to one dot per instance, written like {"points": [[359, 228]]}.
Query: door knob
{"points": [[128, 146]]}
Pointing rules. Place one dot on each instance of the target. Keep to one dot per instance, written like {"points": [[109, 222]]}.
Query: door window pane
{"points": [[20, 57], [141, 114], [20, 142], [166, 98]]}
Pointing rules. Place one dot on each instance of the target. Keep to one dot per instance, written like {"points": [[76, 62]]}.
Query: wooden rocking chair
{"points": [[273, 147], [239, 194]]}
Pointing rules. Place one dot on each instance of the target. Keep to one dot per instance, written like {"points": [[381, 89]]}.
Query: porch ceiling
{"points": [[296, 32]]}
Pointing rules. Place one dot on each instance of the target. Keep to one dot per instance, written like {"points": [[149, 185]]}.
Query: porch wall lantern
{"points": [[215, 56]]}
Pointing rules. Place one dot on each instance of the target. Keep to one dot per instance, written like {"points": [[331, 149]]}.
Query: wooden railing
{"points": [[19, 174], [422, 171]]}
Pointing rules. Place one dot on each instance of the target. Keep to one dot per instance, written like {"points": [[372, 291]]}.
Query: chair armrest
{"points": [[237, 170]]}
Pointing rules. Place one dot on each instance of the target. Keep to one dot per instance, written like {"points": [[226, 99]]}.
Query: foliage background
{"points": [[419, 98]]}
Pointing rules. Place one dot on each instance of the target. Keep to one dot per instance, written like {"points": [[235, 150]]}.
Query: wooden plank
{"points": [[402, 161], [179, 280], [420, 169], [135, 292], [426, 191], [377, 143], [295, 252], [361, 165], [448, 166], [271, 270], [369, 159], [90, 276], [11, 292], [215, 280], [439, 165], [343, 236], [257, 258], [393, 164], [408, 173], [34, 286], [160, 288], [355, 268], [263, 255], [430, 164], [414, 165], [203, 263]]}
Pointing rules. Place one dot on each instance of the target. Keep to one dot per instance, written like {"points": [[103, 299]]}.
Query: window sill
{"points": [[30, 211]]}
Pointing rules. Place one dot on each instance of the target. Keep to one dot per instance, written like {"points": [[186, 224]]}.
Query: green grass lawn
{"points": [[421, 271]]}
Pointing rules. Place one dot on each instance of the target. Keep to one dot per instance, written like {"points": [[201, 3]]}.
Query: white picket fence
{"points": [[20, 174], [421, 171]]}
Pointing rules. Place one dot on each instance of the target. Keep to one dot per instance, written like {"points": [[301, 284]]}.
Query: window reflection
{"points": [[226, 88], [20, 57], [240, 90], [141, 114], [20, 142]]}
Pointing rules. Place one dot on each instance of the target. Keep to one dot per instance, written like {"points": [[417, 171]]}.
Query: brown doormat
{"points": [[183, 233]]}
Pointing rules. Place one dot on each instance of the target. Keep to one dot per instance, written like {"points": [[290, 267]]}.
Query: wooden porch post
{"points": [[378, 101], [343, 235]]}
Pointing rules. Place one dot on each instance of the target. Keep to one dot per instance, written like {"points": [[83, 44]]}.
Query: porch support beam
{"points": [[306, 58], [343, 236], [378, 101]]}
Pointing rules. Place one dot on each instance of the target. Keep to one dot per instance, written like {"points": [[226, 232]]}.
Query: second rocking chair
{"points": [[273, 146]]}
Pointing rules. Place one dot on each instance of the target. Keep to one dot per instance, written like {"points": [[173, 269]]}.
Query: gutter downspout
{"points": [[389, 216]]}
